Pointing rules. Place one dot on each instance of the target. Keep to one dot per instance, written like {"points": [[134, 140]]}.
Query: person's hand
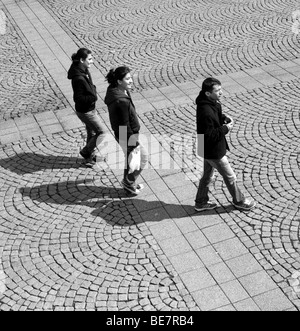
{"points": [[230, 125], [228, 120]]}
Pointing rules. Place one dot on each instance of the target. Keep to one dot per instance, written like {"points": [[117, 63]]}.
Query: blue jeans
{"points": [[224, 168], [95, 132]]}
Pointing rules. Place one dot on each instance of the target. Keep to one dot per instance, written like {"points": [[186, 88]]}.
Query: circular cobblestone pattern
{"points": [[26, 86], [177, 40], [265, 154], [70, 238]]}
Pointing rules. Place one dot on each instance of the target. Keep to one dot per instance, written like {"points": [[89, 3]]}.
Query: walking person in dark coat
{"points": [[213, 126], [85, 97], [125, 124]]}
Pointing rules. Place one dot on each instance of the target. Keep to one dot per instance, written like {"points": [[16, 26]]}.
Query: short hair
{"points": [[209, 83], [117, 74]]}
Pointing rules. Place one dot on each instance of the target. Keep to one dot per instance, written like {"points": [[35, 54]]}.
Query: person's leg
{"points": [[129, 181], [144, 160], [85, 152], [224, 168], [202, 197], [126, 183], [95, 132]]}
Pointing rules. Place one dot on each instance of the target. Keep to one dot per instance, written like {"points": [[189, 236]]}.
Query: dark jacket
{"points": [[210, 123], [122, 113], [85, 93]]}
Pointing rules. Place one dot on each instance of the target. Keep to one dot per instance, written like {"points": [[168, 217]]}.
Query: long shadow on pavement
{"points": [[27, 163], [111, 203]]}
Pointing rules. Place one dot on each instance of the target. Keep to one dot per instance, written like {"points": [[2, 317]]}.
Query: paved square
{"points": [[70, 238]]}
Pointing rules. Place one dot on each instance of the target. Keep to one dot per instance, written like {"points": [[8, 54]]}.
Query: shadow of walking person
{"points": [[112, 204], [139, 210], [27, 163], [73, 193]]}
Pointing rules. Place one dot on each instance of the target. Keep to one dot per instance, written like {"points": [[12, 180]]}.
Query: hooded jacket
{"points": [[122, 113], [210, 123], [85, 93]]}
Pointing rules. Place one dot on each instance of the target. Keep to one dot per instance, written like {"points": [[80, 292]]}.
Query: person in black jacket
{"points": [[212, 128], [85, 97], [125, 124]]}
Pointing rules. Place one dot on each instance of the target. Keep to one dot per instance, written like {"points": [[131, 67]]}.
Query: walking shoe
{"points": [[246, 205], [84, 155], [89, 162], [130, 188], [205, 206], [99, 158], [140, 187]]}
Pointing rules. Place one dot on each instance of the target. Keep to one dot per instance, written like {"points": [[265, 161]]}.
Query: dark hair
{"points": [[116, 74], [209, 83], [82, 53]]}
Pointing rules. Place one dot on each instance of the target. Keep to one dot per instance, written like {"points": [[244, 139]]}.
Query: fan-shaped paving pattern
{"points": [[71, 239], [26, 87], [174, 40], [266, 156]]}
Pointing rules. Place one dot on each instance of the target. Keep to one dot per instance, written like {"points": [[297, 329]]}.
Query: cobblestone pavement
{"points": [[26, 87], [70, 239], [179, 40]]}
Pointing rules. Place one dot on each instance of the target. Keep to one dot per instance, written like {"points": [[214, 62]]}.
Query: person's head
{"points": [[120, 77], [83, 56], [212, 88]]}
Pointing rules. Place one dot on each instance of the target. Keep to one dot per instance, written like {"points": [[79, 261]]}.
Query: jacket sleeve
{"points": [[80, 93], [122, 109]]}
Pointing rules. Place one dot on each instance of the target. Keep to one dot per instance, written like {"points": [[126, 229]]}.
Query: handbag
{"points": [[134, 160]]}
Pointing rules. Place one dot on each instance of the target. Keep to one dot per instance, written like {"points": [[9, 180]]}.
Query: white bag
{"points": [[134, 160]]}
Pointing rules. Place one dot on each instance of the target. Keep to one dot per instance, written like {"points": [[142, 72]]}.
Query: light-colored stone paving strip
{"points": [[213, 264], [51, 44]]}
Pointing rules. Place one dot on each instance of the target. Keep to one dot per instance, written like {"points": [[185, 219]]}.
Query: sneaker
{"points": [[129, 188], [89, 162], [246, 205], [84, 155], [140, 187], [99, 158], [205, 206]]}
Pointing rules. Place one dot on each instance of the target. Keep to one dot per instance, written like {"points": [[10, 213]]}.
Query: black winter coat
{"points": [[85, 92], [122, 113], [210, 123]]}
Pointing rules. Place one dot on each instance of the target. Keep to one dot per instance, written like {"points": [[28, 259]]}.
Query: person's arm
{"points": [[122, 110], [206, 125], [80, 93]]}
